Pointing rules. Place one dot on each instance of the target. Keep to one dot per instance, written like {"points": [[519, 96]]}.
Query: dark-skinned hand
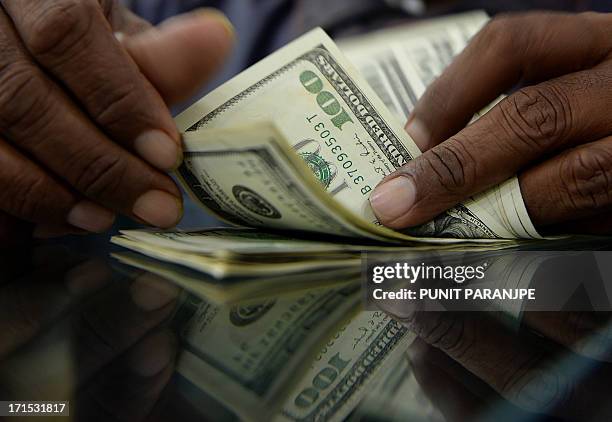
{"points": [[85, 130], [555, 132]]}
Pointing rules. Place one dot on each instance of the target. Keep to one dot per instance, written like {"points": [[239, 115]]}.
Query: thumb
{"points": [[183, 52]]}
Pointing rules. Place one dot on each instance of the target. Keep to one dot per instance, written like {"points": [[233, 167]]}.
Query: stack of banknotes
{"points": [[292, 148], [289, 151]]}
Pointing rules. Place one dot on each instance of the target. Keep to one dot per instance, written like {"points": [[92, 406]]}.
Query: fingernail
{"points": [[158, 208], [419, 133], [120, 36], [218, 16], [151, 292], [157, 148], [92, 217], [393, 199]]}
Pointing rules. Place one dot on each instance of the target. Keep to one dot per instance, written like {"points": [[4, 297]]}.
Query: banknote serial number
{"points": [[340, 155]]}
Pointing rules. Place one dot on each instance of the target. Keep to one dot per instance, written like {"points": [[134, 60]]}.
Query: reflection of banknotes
{"points": [[322, 120], [397, 397], [248, 356], [293, 358], [245, 289], [348, 363]]}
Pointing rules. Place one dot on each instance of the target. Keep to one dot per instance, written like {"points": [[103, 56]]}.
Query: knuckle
{"points": [[498, 34], [537, 117], [450, 166], [102, 176], [448, 333], [27, 198], [587, 335], [586, 179], [113, 105], [537, 389], [571, 331], [24, 99], [59, 26], [108, 7]]}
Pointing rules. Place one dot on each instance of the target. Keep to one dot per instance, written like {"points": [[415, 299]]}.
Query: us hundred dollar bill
{"points": [[397, 397], [299, 141], [346, 367], [249, 356], [291, 358]]}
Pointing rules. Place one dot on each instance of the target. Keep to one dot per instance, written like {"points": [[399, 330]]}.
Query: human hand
{"points": [[554, 132], [471, 366], [106, 338], [85, 131]]}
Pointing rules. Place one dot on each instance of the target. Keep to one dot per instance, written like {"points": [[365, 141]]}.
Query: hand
{"points": [[466, 362], [555, 132], [85, 131], [107, 339]]}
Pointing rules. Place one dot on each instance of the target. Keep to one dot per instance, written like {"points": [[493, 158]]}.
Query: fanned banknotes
{"points": [[299, 141]]}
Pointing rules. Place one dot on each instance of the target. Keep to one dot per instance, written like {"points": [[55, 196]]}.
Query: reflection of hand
{"points": [[564, 371], [125, 353], [38, 287], [116, 355], [555, 133], [84, 127]]}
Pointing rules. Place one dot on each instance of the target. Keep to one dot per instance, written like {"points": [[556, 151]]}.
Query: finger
{"points": [[130, 386], [522, 369], [586, 333], [73, 41], [151, 292], [122, 20], [29, 193], [534, 121], [528, 47], [576, 181], [600, 224], [41, 120], [50, 231], [183, 53], [113, 324], [28, 305], [444, 381]]}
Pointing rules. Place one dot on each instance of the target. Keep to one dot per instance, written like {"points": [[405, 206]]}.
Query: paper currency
{"points": [[253, 245], [244, 289], [399, 63], [238, 256], [397, 397], [353, 359], [298, 141], [310, 357], [237, 267], [248, 357]]}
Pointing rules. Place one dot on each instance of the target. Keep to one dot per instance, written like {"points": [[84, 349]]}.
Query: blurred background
{"points": [[262, 26]]}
